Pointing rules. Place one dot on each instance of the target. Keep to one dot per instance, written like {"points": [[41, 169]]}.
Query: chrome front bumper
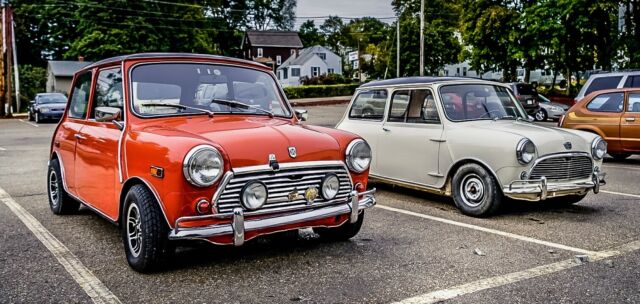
{"points": [[238, 226], [541, 189]]}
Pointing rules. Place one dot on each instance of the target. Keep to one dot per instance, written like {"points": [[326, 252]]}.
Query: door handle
{"points": [[386, 129], [630, 118], [79, 137]]}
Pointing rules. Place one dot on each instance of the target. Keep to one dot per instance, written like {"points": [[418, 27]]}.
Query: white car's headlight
{"points": [[203, 166], [525, 151], [330, 186], [254, 195], [358, 156], [598, 148]]}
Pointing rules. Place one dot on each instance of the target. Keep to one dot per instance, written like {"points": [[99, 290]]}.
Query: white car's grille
{"points": [[563, 168]]}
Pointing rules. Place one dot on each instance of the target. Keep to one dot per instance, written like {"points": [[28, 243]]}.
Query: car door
{"points": [[410, 139], [604, 112], [67, 136], [630, 123], [97, 170], [365, 119]]}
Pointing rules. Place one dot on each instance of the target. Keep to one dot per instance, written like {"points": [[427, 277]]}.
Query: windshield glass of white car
{"points": [[479, 101]]}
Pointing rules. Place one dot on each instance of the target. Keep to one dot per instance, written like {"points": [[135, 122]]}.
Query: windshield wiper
{"points": [[240, 105], [503, 117], [177, 106]]}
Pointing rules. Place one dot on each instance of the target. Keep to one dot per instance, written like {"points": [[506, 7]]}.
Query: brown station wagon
{"points": [[612, 114]]}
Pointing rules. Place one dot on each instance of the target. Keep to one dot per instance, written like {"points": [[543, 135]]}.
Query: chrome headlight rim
{"points": [[520, 151], [595, 145], [246, 188], [324, 182], [349, 157], [186, 165]]}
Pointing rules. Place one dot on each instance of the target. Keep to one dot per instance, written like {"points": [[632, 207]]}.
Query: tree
{"points": [[310, 34], [332, 29], [262, 14]]}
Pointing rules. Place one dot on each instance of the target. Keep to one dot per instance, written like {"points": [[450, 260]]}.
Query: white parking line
{"points": [[514, 277], [489, 230], [94, 288], [620, 193], [2, 149], [29, 123]]}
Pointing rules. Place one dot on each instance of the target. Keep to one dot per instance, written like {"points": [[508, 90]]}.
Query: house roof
{"points": [[274, 39], [66, 68], [305, 55]]}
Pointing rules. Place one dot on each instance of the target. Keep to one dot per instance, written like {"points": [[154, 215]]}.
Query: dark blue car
{"points": [[47, 106]]}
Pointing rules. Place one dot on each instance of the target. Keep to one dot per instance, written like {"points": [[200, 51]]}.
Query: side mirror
{"points": [[108, 114], [302, 114]]}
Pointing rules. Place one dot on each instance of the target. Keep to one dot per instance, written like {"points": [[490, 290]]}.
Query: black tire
{"points": [[541, 115], [59, 201], [620, 156], [567, 200], [149, 247], [343, 232], [30, 116], [482, 196]]}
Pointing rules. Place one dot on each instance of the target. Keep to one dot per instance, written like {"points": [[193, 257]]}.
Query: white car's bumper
{"points": [[541, 189]]}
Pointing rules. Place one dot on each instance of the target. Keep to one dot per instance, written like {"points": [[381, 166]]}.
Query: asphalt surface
{"points": [[412, 244]]}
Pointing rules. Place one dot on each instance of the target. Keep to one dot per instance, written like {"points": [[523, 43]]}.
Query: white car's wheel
{"points": [[475, 191]]}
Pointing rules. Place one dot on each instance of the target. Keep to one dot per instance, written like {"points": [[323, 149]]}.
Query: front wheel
{"points": [[144, 231], [475, 191], [343, 232], [541, 115], [30, 116]]}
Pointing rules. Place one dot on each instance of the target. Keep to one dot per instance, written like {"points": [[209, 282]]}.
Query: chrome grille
{"points": [[281, 183], [563, 167]]}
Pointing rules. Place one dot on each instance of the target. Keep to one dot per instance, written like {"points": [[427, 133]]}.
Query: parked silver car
{"points": [[549, 109]]}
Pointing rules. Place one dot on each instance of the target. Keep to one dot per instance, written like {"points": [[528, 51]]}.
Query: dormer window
{"points": [[322, 56]]}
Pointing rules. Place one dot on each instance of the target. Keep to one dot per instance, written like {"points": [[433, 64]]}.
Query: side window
{"points": [[603, 83], [399, 105], [609, 102], [80, 96], [422, 108], [369, 105], [632, 82], [108, 91], [634, 103]]}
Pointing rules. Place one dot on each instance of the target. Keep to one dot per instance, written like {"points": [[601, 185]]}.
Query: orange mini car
{"points": [[612, 114], [183, 146]]}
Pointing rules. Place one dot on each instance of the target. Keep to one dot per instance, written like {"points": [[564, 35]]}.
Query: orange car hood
{"points": [[248, 140]]}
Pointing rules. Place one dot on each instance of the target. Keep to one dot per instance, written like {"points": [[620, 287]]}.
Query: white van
{"points": [[606, 81]]}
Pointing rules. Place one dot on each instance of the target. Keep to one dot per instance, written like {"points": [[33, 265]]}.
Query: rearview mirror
{"points": [[108, 114], [302, 114]]}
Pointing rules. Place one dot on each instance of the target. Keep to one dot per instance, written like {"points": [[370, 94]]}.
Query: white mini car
{"points": [[472, 140]]}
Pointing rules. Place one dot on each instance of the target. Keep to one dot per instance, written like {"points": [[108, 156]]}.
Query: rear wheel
{"points": [[343, 232], [59, 201], [541, 115], [620, 156], [475, 191]]}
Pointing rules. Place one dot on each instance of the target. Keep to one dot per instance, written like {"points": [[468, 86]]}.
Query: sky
{"points": [[343, 8]]}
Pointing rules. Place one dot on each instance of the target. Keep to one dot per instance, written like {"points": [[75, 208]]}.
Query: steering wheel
{"points": [[489, 113]]}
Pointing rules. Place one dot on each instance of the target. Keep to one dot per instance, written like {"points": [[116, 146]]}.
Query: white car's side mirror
{"points": [[302, 114]]}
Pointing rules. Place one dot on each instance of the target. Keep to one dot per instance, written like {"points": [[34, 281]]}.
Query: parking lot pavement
{"points": [[412, 246]]}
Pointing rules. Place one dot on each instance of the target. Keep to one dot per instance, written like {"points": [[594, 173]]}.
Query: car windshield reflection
{"points": [[467, 102]]}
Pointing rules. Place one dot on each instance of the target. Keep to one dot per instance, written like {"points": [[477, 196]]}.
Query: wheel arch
{"points": [[128, 184], [457, 165]]}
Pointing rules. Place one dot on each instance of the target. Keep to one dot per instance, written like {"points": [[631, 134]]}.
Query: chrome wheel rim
{"points": [[539, 115], [37, 119], [54, 191], [472, 190], [134, 230]]}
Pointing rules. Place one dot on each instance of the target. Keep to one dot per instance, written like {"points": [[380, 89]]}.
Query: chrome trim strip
{"points": [[124, 115], [238, 227], [216, 196], [405, 183], [294, 165], [354, 205]]}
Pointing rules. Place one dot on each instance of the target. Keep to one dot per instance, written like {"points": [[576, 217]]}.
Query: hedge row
{"points": [[314, 91]]}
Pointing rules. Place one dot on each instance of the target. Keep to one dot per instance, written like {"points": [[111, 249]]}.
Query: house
{"points": [[60, 74], [463, 69], [311, 62], [270, 47]]}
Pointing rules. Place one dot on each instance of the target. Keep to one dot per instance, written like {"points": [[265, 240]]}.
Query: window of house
{"points": [[369, 105], [108, 91], [609, 102], [457, 71], [315, 71], [260, 52], [285, 73], [278, 60], [634, 103], [322, 56], [295, 72], [80, 96], [331, 71], [464, 71]]}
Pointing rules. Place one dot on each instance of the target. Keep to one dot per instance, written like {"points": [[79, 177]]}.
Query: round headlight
{"points": [[358, 156], [525, 151], [254, 195], [598, 148], [203, 166], [330, 186]]}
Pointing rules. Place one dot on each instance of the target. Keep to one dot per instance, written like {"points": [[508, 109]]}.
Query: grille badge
{"points": [[568, 145], [292, 152]]}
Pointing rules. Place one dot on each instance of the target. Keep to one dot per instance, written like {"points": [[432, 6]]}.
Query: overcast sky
{"points": [[343, 8]]}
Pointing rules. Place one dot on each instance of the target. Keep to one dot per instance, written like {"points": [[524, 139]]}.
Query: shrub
{"points": [[325, 79], [32, 81], [313, 91]]}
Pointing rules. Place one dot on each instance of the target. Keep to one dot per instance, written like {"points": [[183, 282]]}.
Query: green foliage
{"points": [[327, 79], [32, 81], [310, 34], [320, 91]]}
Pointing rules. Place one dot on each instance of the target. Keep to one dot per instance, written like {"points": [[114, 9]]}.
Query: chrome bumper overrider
{"points": [[541, 189], [238, 226]]}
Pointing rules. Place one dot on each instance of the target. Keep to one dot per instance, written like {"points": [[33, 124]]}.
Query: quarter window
{"points": [[369, 105], [609, 102], [603, 83], [80, 96], [634, 103], [108, 91]]}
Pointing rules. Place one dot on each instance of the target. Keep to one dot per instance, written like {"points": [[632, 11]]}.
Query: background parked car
{"points": [[47, 106], [607, 81], [549, 109], [614, 115], [527, 95]]}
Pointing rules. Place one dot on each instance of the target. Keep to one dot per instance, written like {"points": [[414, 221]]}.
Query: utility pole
{"points": [[7, 20], [398, 48], [2, 62], [421, 37]]}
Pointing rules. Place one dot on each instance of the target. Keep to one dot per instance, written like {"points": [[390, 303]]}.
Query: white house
{"points": [[310, 62], [463, 69]]}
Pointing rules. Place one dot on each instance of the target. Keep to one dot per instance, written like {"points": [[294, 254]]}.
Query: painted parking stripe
{"points": [[488, 230], [29, 123], [2, 149], [514, 277], [620, 193], [94, 288]]}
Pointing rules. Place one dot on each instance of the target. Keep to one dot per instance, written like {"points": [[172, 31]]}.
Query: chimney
{"points": [[81, 58]]}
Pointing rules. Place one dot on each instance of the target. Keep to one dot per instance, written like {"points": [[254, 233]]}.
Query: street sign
{"points": [[355, 65], [353, 56]]}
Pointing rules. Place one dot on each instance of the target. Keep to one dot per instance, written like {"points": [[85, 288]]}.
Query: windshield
{"points": [[479, 101], [166, 89], [52, 98]]}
